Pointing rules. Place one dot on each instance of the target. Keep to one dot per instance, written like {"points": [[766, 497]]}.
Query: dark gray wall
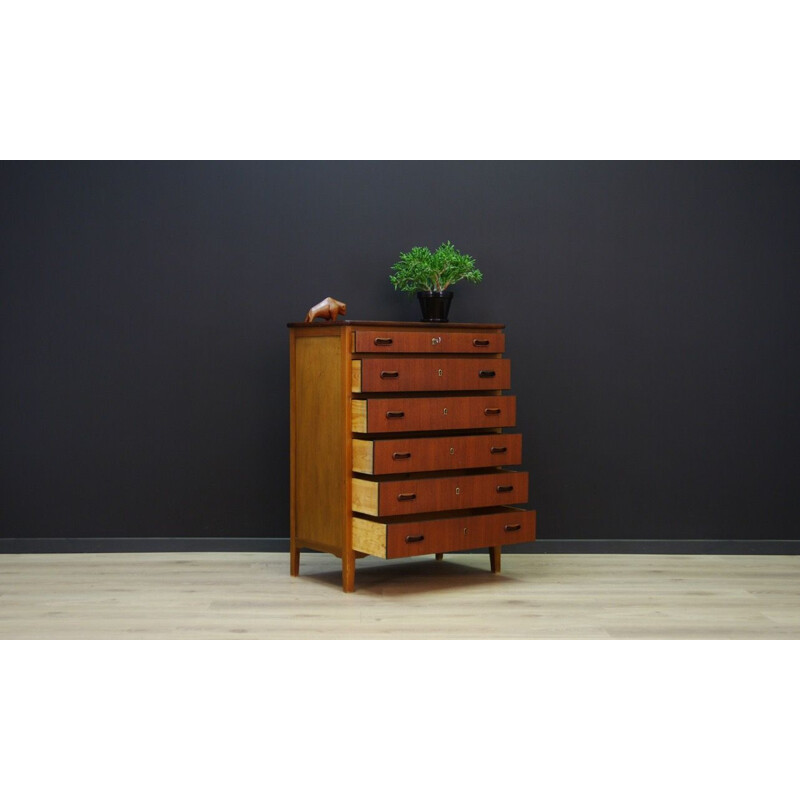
{"points": [[651, 312]]}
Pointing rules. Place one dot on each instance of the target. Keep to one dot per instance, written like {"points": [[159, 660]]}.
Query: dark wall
{"points": [[651, 311]]}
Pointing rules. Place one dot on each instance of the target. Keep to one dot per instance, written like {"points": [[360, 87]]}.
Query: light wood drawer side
{"points": [[358, 421], [366, 496], [369, 537], [363, 456]]}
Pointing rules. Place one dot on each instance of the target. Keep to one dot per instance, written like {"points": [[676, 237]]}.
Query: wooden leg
{"points": [[494, 558], [294, 559], [439, 556], [349, 571]]}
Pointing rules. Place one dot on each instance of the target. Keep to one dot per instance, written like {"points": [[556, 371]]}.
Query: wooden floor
{"points": [[250, 595]]}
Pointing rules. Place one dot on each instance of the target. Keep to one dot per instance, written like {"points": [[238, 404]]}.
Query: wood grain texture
{"points": [[362, 456], [369, 537], [447, 533], [358, 412], [324, 377], [425, 454], [402, 414], [495, 553], [348, 554], [432, 328], [294, 550], [441, 340], [366, 496], [251, 596], [420, 495], [442, 532], [321, 446], [430, 374]]}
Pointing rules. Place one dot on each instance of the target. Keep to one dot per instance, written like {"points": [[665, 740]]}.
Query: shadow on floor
{"points": [[406, 576]]}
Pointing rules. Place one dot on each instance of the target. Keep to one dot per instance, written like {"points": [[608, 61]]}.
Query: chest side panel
{"points": [[321, 440]]}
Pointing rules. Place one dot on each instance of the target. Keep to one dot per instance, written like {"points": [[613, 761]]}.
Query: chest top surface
{"points": [[401, 325]]}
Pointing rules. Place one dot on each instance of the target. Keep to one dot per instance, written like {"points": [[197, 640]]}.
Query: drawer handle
{"points": [[395, 414], [491, 412], [410, 539], [387, 374], [498, 449], [407, 496], [508, 488], [399, 456], [515, 527], [480, 342], [486, 373], [380, 342]]}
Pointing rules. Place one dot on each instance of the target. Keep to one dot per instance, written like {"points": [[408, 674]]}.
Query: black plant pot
{"points": [[435, 305]]}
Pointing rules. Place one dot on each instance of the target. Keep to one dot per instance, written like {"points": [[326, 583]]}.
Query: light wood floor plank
{"points": [[251, 596]]}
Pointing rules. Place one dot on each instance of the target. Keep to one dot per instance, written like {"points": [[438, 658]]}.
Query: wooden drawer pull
{"points": [[410, 539], [408, 496], [383, 342], [486, 373], [491, 412], [508, 488], [395, 414], [399, 456], [515, 527], [387, 374], [480, 342], [498, 449]]}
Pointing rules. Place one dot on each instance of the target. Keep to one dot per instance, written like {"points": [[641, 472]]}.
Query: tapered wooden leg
{"points": [[349, 571], [439, 556], [494, 558], [294, 559]]}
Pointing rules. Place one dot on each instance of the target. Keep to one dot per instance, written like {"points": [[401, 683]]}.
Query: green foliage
{"points": [[419, 270], [414, 271]]}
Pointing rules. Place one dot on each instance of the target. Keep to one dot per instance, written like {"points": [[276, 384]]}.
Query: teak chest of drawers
{"points": [[397, 442]]}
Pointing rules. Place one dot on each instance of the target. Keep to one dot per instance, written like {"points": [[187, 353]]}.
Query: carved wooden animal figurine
{"points": [[326, 309]]}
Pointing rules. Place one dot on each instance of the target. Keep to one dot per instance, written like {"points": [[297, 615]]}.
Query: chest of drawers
{"points": [[397, 442]]}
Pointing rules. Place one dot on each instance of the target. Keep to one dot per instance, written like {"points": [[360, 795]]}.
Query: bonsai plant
{"points": [[428, 275]]}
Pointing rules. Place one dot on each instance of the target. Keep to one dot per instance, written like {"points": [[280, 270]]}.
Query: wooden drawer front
{"points": [[427, 342], [422, 495], [390, 415], [390, 456], [460, 533], [443, 534], [430, 374]]}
